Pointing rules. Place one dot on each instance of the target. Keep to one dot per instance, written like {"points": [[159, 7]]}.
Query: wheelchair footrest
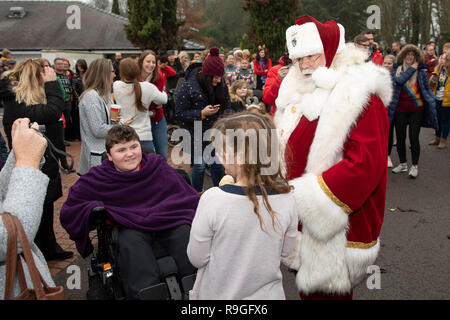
{"points": [[156, 292]]}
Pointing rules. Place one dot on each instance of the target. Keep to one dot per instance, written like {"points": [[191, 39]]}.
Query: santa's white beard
{"points": [[306, 84]]}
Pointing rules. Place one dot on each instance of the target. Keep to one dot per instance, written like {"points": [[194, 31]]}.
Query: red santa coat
{"points": [[335, 144]]}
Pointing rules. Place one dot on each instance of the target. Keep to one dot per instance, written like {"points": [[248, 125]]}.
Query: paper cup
{"points": [[115, 111]]}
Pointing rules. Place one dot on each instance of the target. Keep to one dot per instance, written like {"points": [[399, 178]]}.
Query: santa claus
{"points": [[333, 129]]}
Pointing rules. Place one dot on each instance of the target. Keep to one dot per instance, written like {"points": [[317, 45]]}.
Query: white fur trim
{"points": [[293, 260], [325, 78], [358, 260], [317, 212], [303, 40], [323, 265]]}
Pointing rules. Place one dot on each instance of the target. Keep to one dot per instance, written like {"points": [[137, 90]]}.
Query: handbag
{"points": [[41, 290]]}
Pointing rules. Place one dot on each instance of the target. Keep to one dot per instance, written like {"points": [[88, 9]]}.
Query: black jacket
{"points": [[44, 114]]}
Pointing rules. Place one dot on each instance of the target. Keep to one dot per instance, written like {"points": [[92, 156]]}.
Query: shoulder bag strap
{"points": [[11, 255], [28, 256]]}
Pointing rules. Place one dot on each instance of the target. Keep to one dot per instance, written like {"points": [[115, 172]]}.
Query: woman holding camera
{"points": [[204, 97], [31, 91], [22, 194]]}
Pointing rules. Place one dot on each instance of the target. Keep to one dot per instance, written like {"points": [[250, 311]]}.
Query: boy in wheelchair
{"points": [[146, 198]]}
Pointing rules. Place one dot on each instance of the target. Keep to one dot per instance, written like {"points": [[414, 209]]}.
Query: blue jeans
{"points": [[444, 120], [160, 140], [198, 173], [146, 144]]}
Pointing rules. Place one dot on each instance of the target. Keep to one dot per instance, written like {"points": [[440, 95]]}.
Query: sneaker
{"points": [[389, 162], [413, 172], [402, 167]]}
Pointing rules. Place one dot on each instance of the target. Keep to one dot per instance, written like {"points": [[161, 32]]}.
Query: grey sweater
{"points": [[94, 125], [22, 193]]}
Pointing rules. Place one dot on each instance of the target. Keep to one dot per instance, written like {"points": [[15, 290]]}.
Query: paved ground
{"points": [[415, 240]]}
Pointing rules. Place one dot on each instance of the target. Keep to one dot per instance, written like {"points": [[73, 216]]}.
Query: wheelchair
{"points": [[104, 274]]}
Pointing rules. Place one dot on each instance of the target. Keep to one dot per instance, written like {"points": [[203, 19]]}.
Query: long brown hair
{"points": [[98, 77], [129, 72], [277, 182], [155, 75], [27, 82]]}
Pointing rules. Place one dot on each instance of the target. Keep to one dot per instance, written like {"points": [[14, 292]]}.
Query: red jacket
{"points": [[257, 67], [272, 85], [165, 72]]}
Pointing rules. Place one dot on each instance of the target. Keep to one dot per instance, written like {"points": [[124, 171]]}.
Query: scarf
{"points": [[152, 199], [411, 81]]}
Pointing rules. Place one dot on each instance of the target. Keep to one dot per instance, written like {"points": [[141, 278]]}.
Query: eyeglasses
{"points": [[309, 59]]}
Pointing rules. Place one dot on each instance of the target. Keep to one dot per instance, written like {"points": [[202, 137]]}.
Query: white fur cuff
{"points": [[317, 212]]}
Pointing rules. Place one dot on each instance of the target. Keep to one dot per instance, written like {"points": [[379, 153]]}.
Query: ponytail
{"points": [[138, 96]]}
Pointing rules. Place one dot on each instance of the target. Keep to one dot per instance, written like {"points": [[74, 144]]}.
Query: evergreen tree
{"points": [[153, 24], [115, 7], [268, 21]]}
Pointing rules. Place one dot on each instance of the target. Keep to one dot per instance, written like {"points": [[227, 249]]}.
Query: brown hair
{"points": [[441, 65], [120, 134], [27, 82], [129, 72], [98, 77], [144, 54], [277, 182]]}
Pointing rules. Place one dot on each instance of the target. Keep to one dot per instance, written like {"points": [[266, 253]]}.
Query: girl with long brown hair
{"points": [[95, 121], [153, 72], [135, 98], [242, 230]]}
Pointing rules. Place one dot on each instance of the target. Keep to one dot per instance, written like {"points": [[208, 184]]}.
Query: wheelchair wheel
{"points": [[170, 129]]}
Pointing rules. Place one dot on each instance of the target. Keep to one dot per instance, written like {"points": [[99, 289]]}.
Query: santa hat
{"points": [[213, 65], [309, 37]]}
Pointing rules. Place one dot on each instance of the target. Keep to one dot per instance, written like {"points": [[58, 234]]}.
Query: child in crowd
{"points": [[242, 230], [245, 73], [239, 93]]}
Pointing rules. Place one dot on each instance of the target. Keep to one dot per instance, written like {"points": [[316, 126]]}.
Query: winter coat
{"points": [[430, 114], [430, 111], [94, 125], [44, 114], [272, 85], [191, 100]]}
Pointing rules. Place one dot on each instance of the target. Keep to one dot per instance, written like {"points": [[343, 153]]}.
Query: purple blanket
{"points": [[151, 199]]}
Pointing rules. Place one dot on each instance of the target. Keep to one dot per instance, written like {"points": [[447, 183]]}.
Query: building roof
{"points": [[44, 26]]}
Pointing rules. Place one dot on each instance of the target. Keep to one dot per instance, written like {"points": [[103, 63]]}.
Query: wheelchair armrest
{"points": [[97, 216]]}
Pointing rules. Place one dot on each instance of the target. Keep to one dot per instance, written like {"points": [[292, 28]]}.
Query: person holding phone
{"points": [[203, 97]]}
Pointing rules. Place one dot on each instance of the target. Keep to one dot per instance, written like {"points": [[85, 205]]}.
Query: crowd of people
{"points": [[118, 110]]}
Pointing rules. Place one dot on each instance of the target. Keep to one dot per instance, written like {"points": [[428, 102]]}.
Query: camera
{"points": [[41, 127]]}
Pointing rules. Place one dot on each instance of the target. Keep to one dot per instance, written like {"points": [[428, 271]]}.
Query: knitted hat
{"points": [[213, 65], [309, 37]]}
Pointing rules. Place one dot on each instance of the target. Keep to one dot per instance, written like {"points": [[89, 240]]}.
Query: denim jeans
{"points": [[147, 144], [444, 120], [198, 173], [160, 140]]}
